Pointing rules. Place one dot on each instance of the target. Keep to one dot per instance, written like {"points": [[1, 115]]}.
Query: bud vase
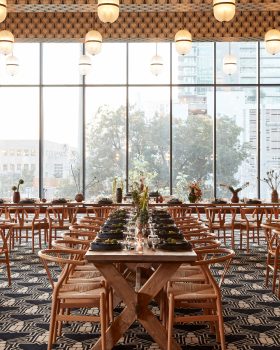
{"points": [[119, 195], [274, 196], [235, 198], [16, 197], [79, 197]]}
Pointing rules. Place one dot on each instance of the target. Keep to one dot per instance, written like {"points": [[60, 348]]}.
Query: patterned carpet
{"points": [[251, 311]]}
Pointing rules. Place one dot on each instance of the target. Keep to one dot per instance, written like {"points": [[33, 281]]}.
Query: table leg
{"points": [[137, 304], [126, 318]]}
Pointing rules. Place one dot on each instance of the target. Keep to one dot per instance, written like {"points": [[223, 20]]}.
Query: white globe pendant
{"points": [[229, 64], [84, 65], [108, 10], [156, 65], [12, 65], [224, 10], [3, 10], [93, 42], [6, 42], [272, 41], [183, 42]]}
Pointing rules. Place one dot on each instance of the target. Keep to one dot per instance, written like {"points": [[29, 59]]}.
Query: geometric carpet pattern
{"points": [[251, 311]]}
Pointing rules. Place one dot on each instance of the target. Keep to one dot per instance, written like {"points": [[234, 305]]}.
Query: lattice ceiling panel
{"points": [[65, 20], [136, 6]]}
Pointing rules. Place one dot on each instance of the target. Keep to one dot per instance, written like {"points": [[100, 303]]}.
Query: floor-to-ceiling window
{"points": [[63, 133]]}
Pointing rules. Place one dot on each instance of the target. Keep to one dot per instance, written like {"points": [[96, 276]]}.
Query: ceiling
{"points": [[67, 20]]}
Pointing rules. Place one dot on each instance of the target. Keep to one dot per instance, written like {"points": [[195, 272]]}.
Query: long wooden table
{"points": [[137, 301]]}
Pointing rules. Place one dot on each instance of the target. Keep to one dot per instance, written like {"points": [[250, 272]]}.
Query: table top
{"points": [[157, 256]]}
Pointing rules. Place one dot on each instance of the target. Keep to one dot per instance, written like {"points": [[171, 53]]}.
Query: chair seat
{"points": [[192, 291]]}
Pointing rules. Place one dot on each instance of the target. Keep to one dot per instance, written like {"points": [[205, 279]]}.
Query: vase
{"points": [[192, 197], [16, 197], [79, 197], [119, 195], [274, 196], [235, 198]]}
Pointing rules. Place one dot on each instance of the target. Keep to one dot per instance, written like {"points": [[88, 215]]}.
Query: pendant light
{"points": [[93, 42], [224, 10], [272, 40], [6, 42], [3, 10], [156, 65], [229, 63], [108, 10], [12, 65], [84, 65], [183, 42]]}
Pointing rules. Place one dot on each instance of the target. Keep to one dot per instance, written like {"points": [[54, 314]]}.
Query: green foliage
{"points": [[149, 149]]}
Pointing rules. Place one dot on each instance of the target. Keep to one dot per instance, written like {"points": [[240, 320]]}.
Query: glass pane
{"points": [[62, 142], [237, 140], [270, 135], [61, 63], [19, 146], [105, 139], [197, 67], [192, 140], [28, 57], [149, 141], [109, 66], [246, 55], [140, 55], [269, 67]]}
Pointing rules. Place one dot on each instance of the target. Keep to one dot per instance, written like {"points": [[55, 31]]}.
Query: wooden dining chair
{"points": [[205, 296], [251, 224], [59, 218], [4, 251], [221, 220], [73, 293], [272, 236], [27, 223]]}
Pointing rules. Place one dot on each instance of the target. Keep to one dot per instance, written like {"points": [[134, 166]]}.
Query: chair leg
{"points": [[103, 317], [275, 272], [267, 269], [170, 321], [221, 324], [232, 239], [8, 267], [52, 322]]}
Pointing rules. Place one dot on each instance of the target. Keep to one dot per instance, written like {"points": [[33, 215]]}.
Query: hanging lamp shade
{"points": [[3, 10], [229, 64], [12, 65], [224, 10], [183, 42], [93, 42], [108, 10], [272, 41], [6, 42], [156, 65], [84, 65]]}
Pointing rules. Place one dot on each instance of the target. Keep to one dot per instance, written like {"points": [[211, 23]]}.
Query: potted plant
{"points": [[273, 180], [16, 194], [195, 193], [235, 198], [77, 180]]}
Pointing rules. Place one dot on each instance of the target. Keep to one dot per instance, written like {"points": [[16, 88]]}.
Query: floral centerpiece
{"points": [[235, 198], [195, 193], [140, 197], [272, 180], [16, 194]]}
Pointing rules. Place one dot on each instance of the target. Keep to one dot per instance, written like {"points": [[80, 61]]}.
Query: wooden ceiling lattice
{"points": [[66, 20]]}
